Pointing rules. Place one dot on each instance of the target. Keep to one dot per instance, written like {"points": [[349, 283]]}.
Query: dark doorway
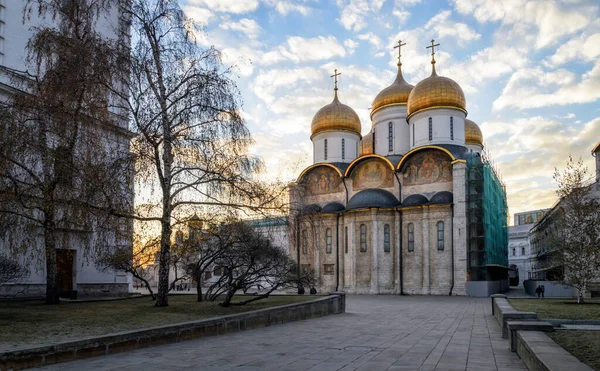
{"points": [[64, 272]]}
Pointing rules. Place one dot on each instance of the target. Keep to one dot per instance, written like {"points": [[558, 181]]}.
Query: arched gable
{"points": [[426, 165], [371, 171], [319, 179]]}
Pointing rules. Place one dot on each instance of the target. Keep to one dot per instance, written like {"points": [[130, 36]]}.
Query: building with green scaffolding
{"points": [[487, 229]]}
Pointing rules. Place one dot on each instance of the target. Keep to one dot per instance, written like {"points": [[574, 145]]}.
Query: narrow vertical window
{"points": [[451, 128], [325, 149], [514, 252], [343, 148], [430, 128], [346, 240], [386, 238], [440, 235], [413, 130], [411, 237], [328, 241], [390, 137], [363, 238], [373, 142], [304, 242], [522, 251]]}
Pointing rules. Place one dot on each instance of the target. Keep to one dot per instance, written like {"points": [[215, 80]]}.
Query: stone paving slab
{"points": [[376, 333]]}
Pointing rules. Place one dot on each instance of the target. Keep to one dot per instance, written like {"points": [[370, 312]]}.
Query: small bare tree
{"points": [[253, 261], [192, 143], [10, 270], [577, 237]]}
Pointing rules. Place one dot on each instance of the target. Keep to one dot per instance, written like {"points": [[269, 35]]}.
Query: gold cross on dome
{"points": [[433, 45], [335, 75], [399, 46]]}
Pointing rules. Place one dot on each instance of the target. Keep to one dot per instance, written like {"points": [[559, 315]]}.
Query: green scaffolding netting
{"points": [[487, 217]]}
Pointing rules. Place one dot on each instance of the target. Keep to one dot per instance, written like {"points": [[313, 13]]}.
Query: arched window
{"points": [[328, 241], [325, 149], [386, 238], [343, 148], [430, 128], [363, 238], [522, 251], [304, 242], [346, 240], [440, 235], [411, 237], [514, 251], [451, 128], [390, 137]]}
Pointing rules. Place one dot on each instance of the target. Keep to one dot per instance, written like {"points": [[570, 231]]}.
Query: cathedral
{"points": [[413, 207]]}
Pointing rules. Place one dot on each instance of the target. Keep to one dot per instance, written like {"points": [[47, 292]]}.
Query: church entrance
{"points": [[64, 272]]}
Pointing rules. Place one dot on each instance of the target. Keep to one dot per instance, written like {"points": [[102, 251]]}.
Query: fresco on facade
{"points": [[322, 180], [372, 174], [427, 167]]}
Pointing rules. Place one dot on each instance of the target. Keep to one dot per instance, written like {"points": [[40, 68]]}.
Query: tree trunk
{"points": [[50, 249], [162, 295], [199, 287], [228, 298]]}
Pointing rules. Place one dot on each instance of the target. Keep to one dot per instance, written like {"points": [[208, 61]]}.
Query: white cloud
{"points": [[545, 21], [371, 38], [533, 88], [581, 48], [268, 82], [355, 12], [228, 6], [445, 28], [298, 49], [286, 7], [402, 15], [247, 26], [200, 15], [406, 3], [350, 45]]}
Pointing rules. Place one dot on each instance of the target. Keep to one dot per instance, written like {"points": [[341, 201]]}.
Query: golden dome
{"points": [[395, 94], [436, 92], [473, 133], [366, 144], [335, 116]]}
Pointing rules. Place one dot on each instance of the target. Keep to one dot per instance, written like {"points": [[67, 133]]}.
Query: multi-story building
{"points": [[519, 251]]}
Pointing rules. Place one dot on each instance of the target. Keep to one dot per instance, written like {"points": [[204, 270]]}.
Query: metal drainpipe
{"points": [[346, 187], [337, 253], [452, 248], [401, 271], [298, 247]]}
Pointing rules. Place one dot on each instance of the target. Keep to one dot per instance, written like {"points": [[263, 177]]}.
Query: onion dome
{"points": [[335, 116], [366, 144], [395, 94], [436, 92], [473, 133]]}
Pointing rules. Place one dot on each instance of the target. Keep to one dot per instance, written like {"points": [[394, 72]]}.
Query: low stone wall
{"points": [[504, 312], [551, 289], [94, 290], [483, 289], [137, 339], [540, 353]]}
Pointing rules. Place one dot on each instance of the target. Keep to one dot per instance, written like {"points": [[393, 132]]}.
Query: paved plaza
{"points": [[375, 333]]}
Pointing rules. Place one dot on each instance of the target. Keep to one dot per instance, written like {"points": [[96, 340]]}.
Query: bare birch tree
{"points": [[57, 164], [576, 239], [192, 143]]}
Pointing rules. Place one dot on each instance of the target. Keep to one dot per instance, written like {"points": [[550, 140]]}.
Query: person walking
{"points": [[543, 290], [538, 291]]}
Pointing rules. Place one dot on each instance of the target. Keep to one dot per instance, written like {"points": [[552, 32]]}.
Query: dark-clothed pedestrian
{"points": [[538, 291]]}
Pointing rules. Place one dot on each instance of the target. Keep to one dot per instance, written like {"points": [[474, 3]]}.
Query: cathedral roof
{"points": [[473, 133], [332, 208], [436, 92], [372, 198], [443, 197], [395, 94], [415, 200], [335, 116]]}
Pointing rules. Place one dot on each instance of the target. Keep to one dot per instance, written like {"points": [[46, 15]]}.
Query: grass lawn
{"points": [[559, 308], [32, 323], [582, 344]]}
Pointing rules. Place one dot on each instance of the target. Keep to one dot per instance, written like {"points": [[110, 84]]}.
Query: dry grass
{"points": [[559, 308], [33, 323], [582, 344]]}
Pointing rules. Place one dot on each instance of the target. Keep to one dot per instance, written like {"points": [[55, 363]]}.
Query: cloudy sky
{"points": [[530, 71]]}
